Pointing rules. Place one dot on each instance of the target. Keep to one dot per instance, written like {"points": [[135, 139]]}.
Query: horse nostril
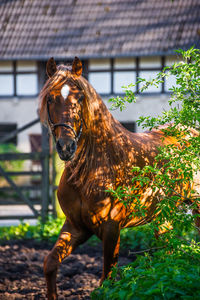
{"points": [[59, 145], [66, 146], [71, 147]]}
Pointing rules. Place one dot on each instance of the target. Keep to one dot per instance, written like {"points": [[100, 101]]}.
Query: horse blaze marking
{"points": [[65, 91]]}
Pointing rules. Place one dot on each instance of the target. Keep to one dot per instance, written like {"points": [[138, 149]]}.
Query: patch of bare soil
{"points": [[21, 271]]}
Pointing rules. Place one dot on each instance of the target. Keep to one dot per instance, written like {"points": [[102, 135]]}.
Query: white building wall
{"points": [[145, 106], [20, 111]]}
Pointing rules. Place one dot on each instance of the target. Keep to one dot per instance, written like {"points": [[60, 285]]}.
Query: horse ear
{"points": [[51, 67], [77, 67]]}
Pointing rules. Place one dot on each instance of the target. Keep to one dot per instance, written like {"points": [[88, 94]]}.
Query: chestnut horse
{"points": [[99, 154]]}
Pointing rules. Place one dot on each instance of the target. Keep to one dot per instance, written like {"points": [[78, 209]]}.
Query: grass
{"points": [[131, 238]]}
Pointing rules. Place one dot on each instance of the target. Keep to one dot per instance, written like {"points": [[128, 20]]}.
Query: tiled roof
{"points": [[38, 29]]}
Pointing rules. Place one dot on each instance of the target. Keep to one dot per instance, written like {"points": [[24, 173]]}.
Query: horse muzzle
{"points": [[66, 149]]}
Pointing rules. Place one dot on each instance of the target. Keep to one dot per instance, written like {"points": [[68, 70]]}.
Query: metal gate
{"points": [[44, 157]]}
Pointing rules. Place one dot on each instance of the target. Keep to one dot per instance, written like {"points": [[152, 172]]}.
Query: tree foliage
{"points": [[175, 173]]}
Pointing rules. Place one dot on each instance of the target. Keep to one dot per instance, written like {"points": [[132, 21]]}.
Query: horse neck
{"points": [[104, 137], [101, 154], [102, 126], [103, 122]]}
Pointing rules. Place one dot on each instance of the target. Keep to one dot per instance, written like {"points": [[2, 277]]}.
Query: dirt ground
{"points": [[21, 271]]}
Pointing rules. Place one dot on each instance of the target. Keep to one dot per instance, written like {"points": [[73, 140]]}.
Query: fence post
{"points": [[45, 173]]}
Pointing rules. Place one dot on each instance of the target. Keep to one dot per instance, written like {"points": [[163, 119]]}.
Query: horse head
{"points": [[64, 104]]}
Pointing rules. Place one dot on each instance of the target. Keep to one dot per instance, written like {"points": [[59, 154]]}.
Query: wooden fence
{"points": [[44, 157]]}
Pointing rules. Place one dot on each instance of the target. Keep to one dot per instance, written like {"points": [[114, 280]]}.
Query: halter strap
{"points": [[53, 126]]}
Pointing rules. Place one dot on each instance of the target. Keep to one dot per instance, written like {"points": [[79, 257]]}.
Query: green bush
{"points": [[41, 231], [10, 165], [137, 238], [161, 276], [173, 272]]}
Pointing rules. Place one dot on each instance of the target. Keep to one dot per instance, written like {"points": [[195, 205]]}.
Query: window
{"points": [[131, 126], [18, 78], [149, 75], [124, 63], [148, 69], [5, 129], [100, 75], [101, 82], [99, 64], [124, 73], [121, 79], [108, 76], [170, 60], [171, 80], [6, 85], [150, 62], [6, 78]]}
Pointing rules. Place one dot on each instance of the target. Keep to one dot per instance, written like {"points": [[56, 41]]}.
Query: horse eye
{"points": [[81, 99], [49, 99]]}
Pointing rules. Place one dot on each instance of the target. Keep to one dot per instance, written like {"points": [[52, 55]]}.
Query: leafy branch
{"points": [[172, 175]]}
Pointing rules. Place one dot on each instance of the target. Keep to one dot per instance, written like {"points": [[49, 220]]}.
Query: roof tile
{"points": [[34, 29]]}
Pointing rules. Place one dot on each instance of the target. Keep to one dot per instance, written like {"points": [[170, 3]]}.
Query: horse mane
{"points": [[101, 155], [101, 152]]}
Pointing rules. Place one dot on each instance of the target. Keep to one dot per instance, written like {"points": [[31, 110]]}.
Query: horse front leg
{"points": [[111, 243], [70, 237]]}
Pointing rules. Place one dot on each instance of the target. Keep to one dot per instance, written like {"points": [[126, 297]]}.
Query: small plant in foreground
{"points": [[161, 276]]}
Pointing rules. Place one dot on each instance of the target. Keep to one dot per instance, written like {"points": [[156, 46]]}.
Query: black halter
{"points": [[53, 126]]}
